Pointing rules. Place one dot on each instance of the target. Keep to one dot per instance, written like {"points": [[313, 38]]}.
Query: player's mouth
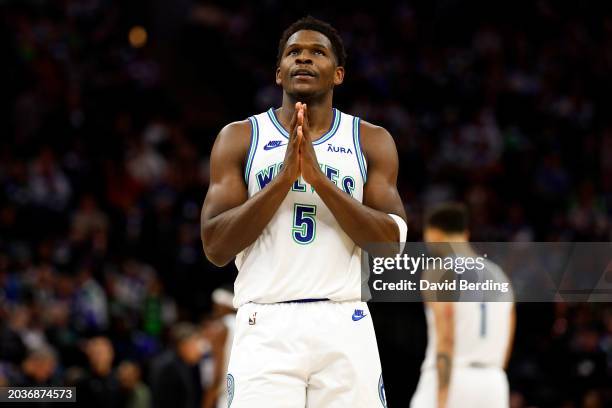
{"points": [[303, 73]]}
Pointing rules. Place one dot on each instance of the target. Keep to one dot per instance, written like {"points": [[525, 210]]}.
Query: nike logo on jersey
{"points": [[358, 315], [273, 144]]}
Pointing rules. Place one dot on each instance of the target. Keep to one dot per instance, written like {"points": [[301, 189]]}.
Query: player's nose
{"points": [[303, 58]]}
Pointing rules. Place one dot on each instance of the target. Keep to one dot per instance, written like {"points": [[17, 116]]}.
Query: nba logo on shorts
{"points": [[253, 319]]}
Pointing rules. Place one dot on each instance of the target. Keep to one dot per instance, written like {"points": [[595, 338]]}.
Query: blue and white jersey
{"points": [[302, 253], [482, 329]]}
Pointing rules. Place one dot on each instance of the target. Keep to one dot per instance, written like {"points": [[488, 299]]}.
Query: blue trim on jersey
{"points": [[335, 125], [277, 124], [252, 148], [331, 132], [358, 152]]}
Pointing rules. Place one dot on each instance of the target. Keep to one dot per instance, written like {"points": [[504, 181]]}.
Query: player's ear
{"points": [[339, 76], [278, 77]]}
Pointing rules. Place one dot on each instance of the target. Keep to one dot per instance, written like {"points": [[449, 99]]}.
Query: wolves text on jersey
{"points": [[346, 183]]}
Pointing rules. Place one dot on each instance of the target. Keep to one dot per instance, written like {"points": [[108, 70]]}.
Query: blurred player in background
{"points": [[220, 333], [294, 194], [469, 342]]}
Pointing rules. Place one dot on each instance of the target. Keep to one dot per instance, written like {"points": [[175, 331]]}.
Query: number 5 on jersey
{"points": [[304, 223]]}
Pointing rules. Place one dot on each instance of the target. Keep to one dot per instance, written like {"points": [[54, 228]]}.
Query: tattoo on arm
{"points": [[444, 366]]}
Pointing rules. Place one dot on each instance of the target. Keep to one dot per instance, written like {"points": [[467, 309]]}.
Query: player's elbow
{"points": [[216, 257], [213, 249]]}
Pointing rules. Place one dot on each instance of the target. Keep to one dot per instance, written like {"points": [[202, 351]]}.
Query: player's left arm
{"points": [[444, 317], [368, 222]]}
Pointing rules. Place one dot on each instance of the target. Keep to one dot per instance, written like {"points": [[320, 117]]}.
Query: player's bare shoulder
{"points": [[377, 143], [233, 141], [235, 136]]}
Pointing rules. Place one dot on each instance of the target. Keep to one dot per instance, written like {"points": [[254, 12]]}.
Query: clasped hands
{"points": [[300, 157]]}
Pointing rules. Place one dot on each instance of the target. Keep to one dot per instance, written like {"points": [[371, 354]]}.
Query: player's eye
{"points": [[292, 52], [319, 52]]}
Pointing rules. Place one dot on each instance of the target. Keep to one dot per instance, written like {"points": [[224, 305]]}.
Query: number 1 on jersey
{"points": [[304, 224], [483, 319]]}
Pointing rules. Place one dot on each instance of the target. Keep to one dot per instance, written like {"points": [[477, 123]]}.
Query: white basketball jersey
{"points": [[482, 330], [302, 253]]}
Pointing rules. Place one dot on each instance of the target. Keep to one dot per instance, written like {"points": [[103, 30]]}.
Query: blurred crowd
{"points": [[104, 167]]}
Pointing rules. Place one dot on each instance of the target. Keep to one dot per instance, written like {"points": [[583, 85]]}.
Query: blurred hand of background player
{"points": [[291, 164], [309, 165]]}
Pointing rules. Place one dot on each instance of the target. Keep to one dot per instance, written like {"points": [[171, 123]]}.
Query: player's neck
{"points": [[320, 114]]}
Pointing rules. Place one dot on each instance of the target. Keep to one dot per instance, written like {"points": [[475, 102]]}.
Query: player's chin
{"points": [[303, 91]]}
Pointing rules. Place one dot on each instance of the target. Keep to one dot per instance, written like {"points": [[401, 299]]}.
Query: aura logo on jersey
{"points": [[338, 149]]}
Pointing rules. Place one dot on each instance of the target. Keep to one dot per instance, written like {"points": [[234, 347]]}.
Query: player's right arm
{"points": [[444, 317], [230, 220]]}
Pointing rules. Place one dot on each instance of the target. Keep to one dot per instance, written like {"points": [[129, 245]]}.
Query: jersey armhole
{"points": [[252, 148], [363, 169]]}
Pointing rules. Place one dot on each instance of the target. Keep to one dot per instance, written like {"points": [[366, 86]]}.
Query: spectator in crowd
{"points": [[90, 311], [12, 349], [99, 387], [49, 186], [174, 375], [39, 368], [134, 393]]}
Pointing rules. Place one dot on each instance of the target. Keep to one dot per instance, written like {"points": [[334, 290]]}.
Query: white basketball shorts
{"points": [[294, 355], [482, 387]]}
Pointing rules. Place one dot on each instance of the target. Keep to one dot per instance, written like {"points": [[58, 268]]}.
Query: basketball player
{"points": [[469, 342], [225, 314], [295, 192]]}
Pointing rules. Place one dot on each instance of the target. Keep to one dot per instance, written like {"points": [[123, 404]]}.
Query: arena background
{"points": [[109, 110]]}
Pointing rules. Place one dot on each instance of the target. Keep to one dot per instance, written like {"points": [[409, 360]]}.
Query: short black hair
{"points": [[182, 331], [314, 24], [448, 217]]}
